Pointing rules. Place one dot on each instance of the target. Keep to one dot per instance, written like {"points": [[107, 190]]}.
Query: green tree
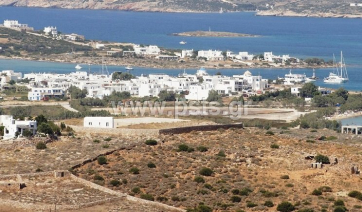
{"points": [[322, 159], [12, 82], [45, 128], [77, 93], [214, 96], [167, 96], [40, 119], [309, 90], [122, 76]]}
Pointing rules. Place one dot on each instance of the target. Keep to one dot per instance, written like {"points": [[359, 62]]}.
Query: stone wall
{"points": [[181, 130], [116, 131]]}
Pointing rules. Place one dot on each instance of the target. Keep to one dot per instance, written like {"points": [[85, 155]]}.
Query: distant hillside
{"points": [[320, 8], [140, 5]]}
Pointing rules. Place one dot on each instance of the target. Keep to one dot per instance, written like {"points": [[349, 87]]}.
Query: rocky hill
{"points": [[322, 8], [139, 5]]}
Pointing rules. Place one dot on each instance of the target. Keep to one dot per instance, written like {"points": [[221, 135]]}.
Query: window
{"points": [[107, 124], [90, 123]]}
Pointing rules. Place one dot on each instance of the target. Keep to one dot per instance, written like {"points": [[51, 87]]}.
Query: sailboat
{"points": [[313, 78], [183, 42], [340, 76], [78, 67]]}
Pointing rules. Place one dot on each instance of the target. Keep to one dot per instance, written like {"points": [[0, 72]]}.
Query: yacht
{"points": [[128, 68], [291, 79], [78, 67], [340, 75], [183, 42]]}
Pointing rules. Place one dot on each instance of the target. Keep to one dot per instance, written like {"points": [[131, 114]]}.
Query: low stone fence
{"points": [[116, 131], [181, 130]]}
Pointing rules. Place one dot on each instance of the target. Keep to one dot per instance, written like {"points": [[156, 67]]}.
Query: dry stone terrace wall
{"points": [[181, 130]]}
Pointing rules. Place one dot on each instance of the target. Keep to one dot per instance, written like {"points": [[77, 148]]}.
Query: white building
{"points": [[13, 127], [14, 24], [51, 31], [37, 94], [295, 90], [99, 122], [146, 50], [7, 75], [244, 56], [187, 53], [211, 55]]}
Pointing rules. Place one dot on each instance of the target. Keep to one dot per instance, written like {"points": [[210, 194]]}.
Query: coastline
{"points": [[158, 64], [288, 13], [347, 115]]}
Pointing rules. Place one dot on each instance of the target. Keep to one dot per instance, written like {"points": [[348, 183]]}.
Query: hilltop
{"points": [[308, 8]]}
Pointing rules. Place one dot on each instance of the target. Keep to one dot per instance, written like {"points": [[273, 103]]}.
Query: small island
{"points": [[212, 34]]}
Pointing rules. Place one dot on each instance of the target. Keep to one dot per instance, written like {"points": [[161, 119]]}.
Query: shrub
{"points": [[322, 159], [314, 130], [269, 204], [183, 148], [289, 185], [98, 177], [325, 189], [354, 194], [41, 145], [317, 192], [151, 142], [208, 186], [235, 191], [162, 199], [269, 132], [136, 190], [199, 179], [206, 171], [284, 177], [235, 199], [339, 203], [310, 141], [108, 139], [202, 191], [340, 209], [270, 194], [151, 165], [38, 170], [105, 146], [102, 160], [285, 207], [251, 205], [27, 133], [274, 146], [96, 141], [202, 149], [175, 198], [134, 170], [221, 154], [245, 192], [115, 183], [306, 210], [124, 181], [147, 197]]}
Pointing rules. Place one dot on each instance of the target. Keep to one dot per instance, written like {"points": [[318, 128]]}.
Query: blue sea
{"points": [[297, 36]]}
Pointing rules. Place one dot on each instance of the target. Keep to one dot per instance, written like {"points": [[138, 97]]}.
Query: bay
{"points": [[298, 36]]}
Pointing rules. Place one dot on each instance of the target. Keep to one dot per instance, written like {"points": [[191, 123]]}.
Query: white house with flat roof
{"points": [[13, 127], [98, 122]]}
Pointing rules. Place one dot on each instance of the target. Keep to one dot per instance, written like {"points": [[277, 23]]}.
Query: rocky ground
{"points": [[244, 165]]}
